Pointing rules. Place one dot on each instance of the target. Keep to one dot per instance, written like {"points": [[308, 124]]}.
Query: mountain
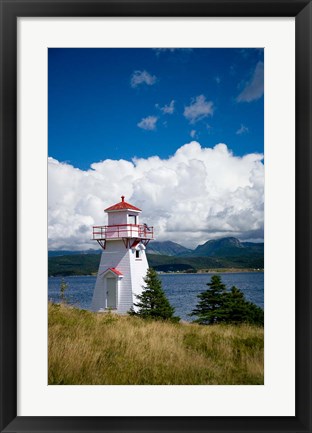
{"points": [[78, 264], [254, 246], [87, 264], [193, 264], [228, 247], [167, 248], [224, 247], [169, 256]]}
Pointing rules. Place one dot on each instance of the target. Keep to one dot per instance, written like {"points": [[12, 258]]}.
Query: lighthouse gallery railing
{"points": [[123, 231]]}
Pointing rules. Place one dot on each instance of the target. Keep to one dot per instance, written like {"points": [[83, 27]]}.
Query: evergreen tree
{"points": [[256, 314], [235, 306], [239, 310], [219, 306], [211, 308], [152, 303]]}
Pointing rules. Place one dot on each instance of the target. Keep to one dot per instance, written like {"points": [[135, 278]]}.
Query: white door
{"points": [[111, 293]]}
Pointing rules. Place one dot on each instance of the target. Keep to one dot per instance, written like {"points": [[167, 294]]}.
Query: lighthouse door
{"points": [[111, 292]]}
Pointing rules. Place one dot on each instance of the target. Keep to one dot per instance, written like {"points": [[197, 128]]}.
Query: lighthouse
{"points": [[123, 264]]}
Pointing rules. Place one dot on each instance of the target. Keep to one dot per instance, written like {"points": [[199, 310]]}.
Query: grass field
{"points": [[106, 349]]}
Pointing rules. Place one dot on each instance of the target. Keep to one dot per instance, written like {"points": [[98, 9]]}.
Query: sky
{"points": [[179, 132]]}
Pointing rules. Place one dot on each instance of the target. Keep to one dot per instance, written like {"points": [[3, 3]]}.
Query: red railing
{"points": [[141, 231]]}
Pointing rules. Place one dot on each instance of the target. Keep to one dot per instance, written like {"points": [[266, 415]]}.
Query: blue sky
{"points": [[125, 103], [178, 132]]}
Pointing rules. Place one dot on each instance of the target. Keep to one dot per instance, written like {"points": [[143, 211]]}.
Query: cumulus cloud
{"points": [[148, 123], [167, 109], [142, 77], [198, 109], [254, 88], [195, 195], [242, 130]]}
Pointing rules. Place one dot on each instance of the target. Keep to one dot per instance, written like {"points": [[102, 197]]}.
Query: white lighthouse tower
{"points": [[123, 263]]}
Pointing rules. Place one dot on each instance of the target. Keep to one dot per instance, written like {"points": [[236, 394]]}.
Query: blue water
{"points": [[181, 289]]}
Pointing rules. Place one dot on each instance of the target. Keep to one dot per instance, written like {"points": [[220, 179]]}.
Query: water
{"points": [[181, 289]]}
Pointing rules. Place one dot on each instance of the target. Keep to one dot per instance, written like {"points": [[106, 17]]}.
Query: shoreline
{"points": [[201, 272], [216, 271]]}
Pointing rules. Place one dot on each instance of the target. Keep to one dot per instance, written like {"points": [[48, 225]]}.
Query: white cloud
{"points": [[195, 195], [198, 109], [254, 89], [148, 123], [167, 109], [142, 77], [242, 130], [193, 133]]}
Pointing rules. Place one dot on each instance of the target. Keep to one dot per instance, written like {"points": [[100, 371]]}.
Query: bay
{"points": [[181, 289]]}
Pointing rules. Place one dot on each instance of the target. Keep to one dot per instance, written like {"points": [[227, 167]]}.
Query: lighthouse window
{"points": [[132, 219], [137, 254]]}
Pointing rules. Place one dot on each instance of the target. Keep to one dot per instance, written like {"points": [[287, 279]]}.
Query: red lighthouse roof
{"points": [[123, 205], [115, 271]]}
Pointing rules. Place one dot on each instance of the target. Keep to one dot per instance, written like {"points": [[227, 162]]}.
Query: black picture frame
{"points": [[10, 11]]}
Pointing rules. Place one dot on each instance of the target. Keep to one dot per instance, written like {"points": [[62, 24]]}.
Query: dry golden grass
{"points": [[106, 349]]}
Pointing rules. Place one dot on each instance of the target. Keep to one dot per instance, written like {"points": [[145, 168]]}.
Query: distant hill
{"points": [[167, 248], [78, 264], [87, 264], [173, 264], [228, 247], [223, 247], [169, 257]]}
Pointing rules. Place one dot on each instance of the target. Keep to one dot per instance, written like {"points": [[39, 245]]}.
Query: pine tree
{"points": [[217, 305], [152, 303], [210, 308], [239, 310], [235, 306], [256, 314]]}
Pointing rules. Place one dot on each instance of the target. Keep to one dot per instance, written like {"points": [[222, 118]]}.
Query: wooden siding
{"points": [[117, 256]]}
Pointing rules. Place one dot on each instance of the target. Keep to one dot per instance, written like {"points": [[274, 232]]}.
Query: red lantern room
{"points": [[123, 223]]}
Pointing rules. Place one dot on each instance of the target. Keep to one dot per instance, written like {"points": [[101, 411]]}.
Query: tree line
{"points": [[216, 304]]}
